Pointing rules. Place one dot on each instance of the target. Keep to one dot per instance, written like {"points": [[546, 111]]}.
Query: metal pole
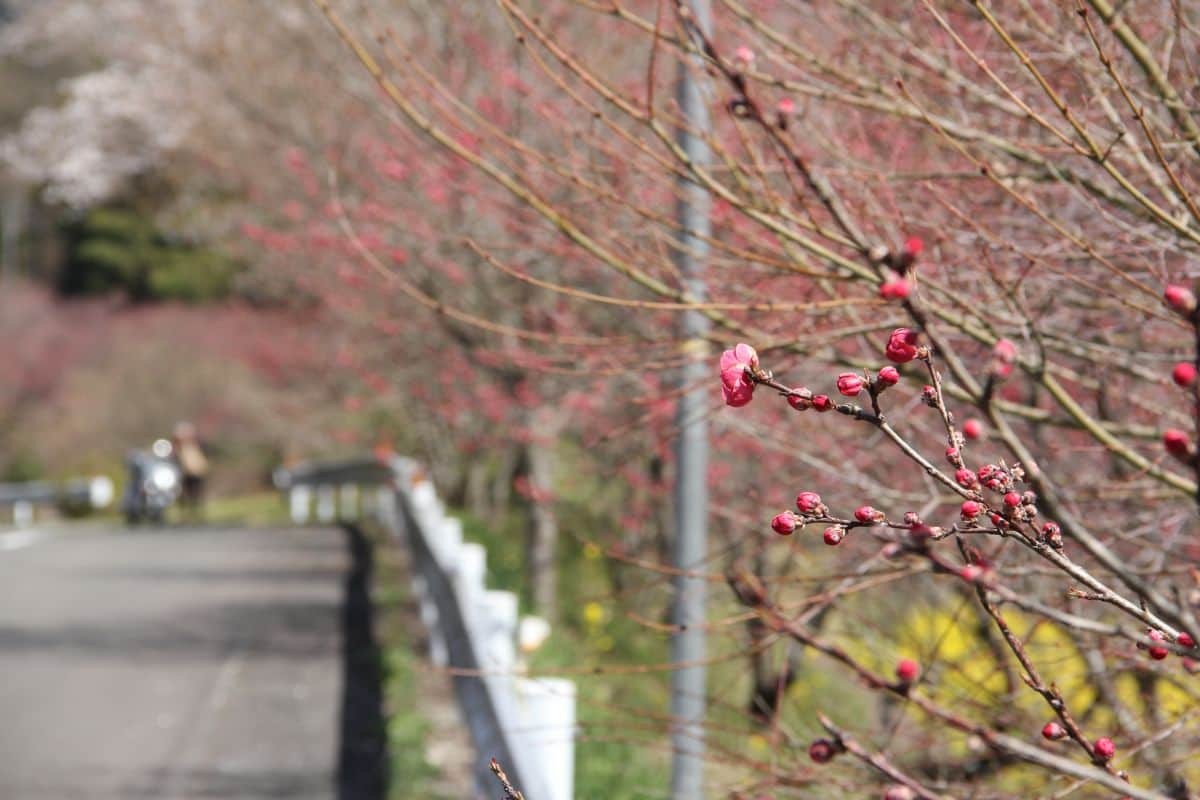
{"points": [[688, 693]]}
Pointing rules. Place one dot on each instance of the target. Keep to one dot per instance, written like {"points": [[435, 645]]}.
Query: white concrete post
{"points": [[348, 502], [499, 614], [326, 509], [22, 512], [300, 503], [468, 581], [547, 727]]}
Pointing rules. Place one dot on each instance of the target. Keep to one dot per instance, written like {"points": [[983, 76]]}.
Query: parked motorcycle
{"points": [[153, 486]]}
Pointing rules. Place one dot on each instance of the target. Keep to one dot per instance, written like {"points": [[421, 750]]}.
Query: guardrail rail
{"points": [[527, 724], [24, 497]]}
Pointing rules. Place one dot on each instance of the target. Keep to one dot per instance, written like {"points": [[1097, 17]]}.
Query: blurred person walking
{"points": [[193, 464]]}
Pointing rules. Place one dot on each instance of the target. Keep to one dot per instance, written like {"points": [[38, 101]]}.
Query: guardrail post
{"points": [[326, 510], [547, 708], [439, 653], [348, 501], [22, 513], [300, 503]]}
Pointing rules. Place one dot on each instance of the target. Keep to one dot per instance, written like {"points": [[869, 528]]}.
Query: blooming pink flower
{"points": [[902, 345], [737, 368], [850, 383]]}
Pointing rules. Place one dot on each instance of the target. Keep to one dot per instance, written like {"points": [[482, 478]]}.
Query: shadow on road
{"points": [[362, 758]]}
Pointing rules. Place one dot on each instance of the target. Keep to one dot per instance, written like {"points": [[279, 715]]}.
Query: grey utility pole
{"points": [[688, 694]]}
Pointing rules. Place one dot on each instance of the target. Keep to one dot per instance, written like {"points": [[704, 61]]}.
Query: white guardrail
{"points": [[527, 724], [81, 493]]}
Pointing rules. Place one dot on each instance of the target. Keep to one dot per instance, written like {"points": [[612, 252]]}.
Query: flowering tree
{"points": [[995, 200]]}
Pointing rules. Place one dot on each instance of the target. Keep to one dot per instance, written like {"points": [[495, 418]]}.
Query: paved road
{"points": [[181, 663]]}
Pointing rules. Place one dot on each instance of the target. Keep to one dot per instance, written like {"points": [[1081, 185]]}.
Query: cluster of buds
{"points": [[1001, 478], [1051, 535], [802, 399]]}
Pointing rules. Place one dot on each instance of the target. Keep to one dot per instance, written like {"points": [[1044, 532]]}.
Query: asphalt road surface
{"points": [[177, 663]]}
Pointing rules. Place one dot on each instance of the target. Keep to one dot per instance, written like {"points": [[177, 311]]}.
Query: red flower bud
{"points": [[902, 346], [1184, 639], [971, 573], [888, 376], [809, 503], [784, 524], [1104, 748], [1004, 357], [907, 670], [1180, 299], [895, 289], [868, 515], [850, 384], [1158, 652], [913, 246], [834, 535], [822, 403], [800, 402], [1184, 374], [972, 429], [965, 478], [1053, 731], [898, 791], [1177, 443], [1012, 499], [822, 751], [971, 509]]}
